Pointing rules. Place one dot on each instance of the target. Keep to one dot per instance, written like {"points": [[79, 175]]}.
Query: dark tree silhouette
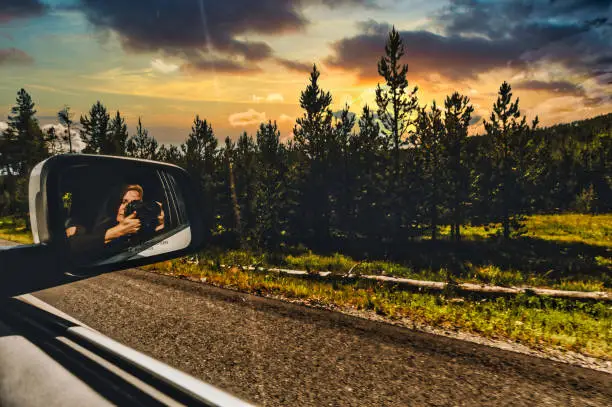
{"points": [[23, 145], [117, 143], [430, 157], [313, 135], [141, 144], [95, 129], [200, 160], [457, 115], [396, 102], [65, 118], [507, 131]]}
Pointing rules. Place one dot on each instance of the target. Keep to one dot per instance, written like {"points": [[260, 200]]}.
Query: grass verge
{"points": [[569, 252], [14, 229], [534, 321]]}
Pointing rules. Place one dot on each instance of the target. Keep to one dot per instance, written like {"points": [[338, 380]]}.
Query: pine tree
{"points": [[340, 176], [117, 142], [23, 146], [507, 131], [169, 154], [246, 172], [368, 159], [54, 145], [229, 208], [65, 118], [141, 144], [429, 152], [457, 116], [199, 159], [314, 135], [396, 102], [26, 141], [95, 129], [272, 186]]}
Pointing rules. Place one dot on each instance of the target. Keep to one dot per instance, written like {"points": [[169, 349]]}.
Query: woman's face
{"points": [[127, 198]]}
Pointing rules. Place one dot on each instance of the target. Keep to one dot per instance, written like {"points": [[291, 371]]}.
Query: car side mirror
{"points": [[104, 213]]}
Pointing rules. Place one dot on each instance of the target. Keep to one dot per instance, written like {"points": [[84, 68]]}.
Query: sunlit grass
{"points": [[593, 230], [568, 228], [535, 321], [562, 271], [15, 230]]}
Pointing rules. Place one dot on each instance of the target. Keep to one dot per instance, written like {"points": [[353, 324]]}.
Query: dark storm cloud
{"points": [[302, 67], [11, 9], [575, 33], [474, 36], [218, 66], [453, 57], [211, 26], [14, 56], [561, 87]]}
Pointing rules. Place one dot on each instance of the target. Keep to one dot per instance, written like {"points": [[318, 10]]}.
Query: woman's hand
{"points": [[160, 219], [128, 226]]}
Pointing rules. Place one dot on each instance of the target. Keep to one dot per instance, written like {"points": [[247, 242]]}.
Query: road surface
{"points": [[278, 354]]}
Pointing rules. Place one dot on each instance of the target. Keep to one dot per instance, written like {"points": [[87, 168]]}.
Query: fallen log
{"points": [[441, 286]]}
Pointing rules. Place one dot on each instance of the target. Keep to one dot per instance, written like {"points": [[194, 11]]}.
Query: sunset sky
{"points": [[237, 63]]}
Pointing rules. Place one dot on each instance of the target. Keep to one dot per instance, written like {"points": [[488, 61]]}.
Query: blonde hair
{"points": [[133, 187]]}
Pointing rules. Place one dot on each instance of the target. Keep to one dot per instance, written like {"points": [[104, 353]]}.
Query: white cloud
{"points": [[285, 118], [77, 144], [163, 67], [275, 97], [271, 98], [247, 118]]}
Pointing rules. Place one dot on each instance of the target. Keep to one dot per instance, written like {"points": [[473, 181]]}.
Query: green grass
{"points": [[14, 229], [534, 321], [594, 230], [571, 252]]}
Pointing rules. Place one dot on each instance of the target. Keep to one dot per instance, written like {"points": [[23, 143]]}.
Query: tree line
{"points": [[394, 173]]}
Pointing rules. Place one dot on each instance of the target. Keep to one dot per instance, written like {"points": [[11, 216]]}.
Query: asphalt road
{"points": [[273, 353]]}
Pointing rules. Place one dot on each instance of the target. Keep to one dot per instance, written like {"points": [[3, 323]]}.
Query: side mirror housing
{"points": [[102, 213]]}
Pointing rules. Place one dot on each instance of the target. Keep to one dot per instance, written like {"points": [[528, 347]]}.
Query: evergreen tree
{"points": [[199, 159], [429, 153], [245, 174], [340, 177], [368, 159], [169, 154], [26, 144], [22, 147], [141, 144], [457, 116], [228, 207], [396, 102], [117, 142], [313, 135], [54, 145], [65, 118], [272, 188], [95, 129], [507, 131]]}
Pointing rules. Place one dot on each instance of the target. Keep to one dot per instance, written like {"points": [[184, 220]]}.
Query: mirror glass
{"points": [[120, 212]]}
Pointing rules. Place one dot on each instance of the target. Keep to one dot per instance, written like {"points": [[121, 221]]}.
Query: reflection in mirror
{"points": [[123, 213]]}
